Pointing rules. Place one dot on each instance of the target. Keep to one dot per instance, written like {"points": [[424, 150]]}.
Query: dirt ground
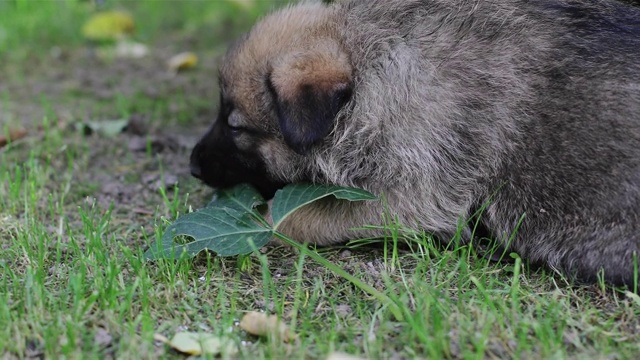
{"points": [[166, 114]]}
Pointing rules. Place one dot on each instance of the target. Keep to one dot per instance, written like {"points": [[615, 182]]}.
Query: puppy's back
{"points": [[537, 102], [578, 164]]}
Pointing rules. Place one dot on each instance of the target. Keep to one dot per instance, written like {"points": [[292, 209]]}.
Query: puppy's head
{"points": [[281, 87]]}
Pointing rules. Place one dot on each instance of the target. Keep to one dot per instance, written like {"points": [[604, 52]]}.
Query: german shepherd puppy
{"points": [[528, 109]]}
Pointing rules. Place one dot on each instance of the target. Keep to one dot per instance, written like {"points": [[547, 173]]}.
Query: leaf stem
{"points": [[395, 309]]}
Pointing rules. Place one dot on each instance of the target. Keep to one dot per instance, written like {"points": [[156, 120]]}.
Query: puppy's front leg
{"points": [[331, 221]]}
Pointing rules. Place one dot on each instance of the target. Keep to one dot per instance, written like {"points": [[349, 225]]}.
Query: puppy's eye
{"points": [[235, 130], [234, 122]]}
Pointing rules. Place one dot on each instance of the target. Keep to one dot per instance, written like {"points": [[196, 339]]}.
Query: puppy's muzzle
{"points": [[194, 163]]}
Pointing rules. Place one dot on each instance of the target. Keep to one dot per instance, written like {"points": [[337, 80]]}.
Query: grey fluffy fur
{"points": [[530, 107]]}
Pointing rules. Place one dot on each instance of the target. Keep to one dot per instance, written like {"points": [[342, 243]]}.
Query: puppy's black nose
{"points": [[196, 171], [194, 161]]}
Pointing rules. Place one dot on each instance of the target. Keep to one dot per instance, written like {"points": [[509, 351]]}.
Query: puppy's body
{"points": [[530, 106]]}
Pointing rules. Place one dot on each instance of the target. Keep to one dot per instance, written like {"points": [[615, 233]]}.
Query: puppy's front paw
{"points": [[265, 211]]}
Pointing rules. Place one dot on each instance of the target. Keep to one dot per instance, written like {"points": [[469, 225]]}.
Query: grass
{"points": [[77, 212]]}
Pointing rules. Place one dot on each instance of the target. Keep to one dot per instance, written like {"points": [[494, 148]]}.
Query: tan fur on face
{"points": [[308, 35], [325, 67]]}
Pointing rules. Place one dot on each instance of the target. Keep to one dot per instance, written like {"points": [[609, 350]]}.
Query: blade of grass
{"points": [[386, 300]]}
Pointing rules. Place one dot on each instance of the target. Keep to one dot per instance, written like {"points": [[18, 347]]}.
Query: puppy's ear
{"points": [[310, 88]]}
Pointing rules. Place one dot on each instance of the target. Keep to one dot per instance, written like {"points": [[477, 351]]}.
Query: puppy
{"points": [[528, 110]]}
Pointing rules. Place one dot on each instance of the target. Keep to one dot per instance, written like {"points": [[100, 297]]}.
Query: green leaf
{"points": [[194, 343], [295, 196], [241, 198], [230, 224], [227, 226]]}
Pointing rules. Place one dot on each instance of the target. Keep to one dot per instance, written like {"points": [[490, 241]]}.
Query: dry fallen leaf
{"points": [[108, 25], [342, 356], [161, 338], [261, 324], [130, 49], [202, 343], [13, 135], [108, 128], [182, 61], [633, 297]]}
